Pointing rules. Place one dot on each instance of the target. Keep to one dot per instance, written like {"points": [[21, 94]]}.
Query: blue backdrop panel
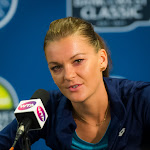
{"points": [[22, 59]]}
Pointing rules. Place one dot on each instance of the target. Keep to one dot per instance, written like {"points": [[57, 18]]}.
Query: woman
{"points": [[90, 110]]}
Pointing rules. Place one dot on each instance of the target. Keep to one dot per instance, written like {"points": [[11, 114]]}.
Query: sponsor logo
{"points": [[111, 15], [122, 132], [8, 102], [7, 11], [41, 113], [26, 105]]}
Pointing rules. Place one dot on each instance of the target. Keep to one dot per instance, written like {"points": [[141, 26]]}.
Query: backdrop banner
{"points": [[123, 24]]}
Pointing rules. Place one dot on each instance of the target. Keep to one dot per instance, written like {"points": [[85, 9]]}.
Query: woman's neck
{"points": [[94, 108]]}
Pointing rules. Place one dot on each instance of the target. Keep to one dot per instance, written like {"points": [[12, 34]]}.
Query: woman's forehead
{"points": [[67, 47], [70, 42]]}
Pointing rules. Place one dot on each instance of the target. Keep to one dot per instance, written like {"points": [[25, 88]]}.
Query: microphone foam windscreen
{"points": [[42, 94]]}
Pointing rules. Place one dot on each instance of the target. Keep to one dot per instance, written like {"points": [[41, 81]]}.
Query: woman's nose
{"points": [[69, 73]]}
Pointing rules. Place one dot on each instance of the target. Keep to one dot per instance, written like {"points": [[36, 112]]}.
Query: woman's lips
{"points": [[74, 87]]}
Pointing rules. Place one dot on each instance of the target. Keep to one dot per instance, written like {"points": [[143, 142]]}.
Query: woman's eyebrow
{"points": [[56, 63], [77, 55], [53, 63]]}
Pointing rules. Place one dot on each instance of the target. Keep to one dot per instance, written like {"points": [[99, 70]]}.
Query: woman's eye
{"points": [[56, 68], [78, 61]]}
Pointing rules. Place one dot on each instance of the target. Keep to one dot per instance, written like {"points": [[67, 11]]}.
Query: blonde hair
{"points": [[70, 25]]}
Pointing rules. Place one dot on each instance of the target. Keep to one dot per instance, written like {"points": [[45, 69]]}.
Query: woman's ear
{"points": [[103, 59]]}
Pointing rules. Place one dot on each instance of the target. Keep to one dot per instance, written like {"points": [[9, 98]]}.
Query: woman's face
{"points": [[75, 67]]}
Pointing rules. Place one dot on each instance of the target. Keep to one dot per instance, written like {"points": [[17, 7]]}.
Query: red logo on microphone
{"points": [[26, 105], [41, 113]]}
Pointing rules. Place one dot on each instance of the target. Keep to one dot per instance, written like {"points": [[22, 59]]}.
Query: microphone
{"points": [[31, 114]]}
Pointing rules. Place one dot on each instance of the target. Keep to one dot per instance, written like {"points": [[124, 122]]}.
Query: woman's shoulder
{"points": [[129, 86], [57, 100], [128, 91]]}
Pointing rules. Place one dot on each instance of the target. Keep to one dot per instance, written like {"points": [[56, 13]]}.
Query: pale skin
{"points": [[77, 69]]}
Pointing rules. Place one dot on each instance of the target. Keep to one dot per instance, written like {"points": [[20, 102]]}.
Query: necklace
{"points": [[97, 124]]}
